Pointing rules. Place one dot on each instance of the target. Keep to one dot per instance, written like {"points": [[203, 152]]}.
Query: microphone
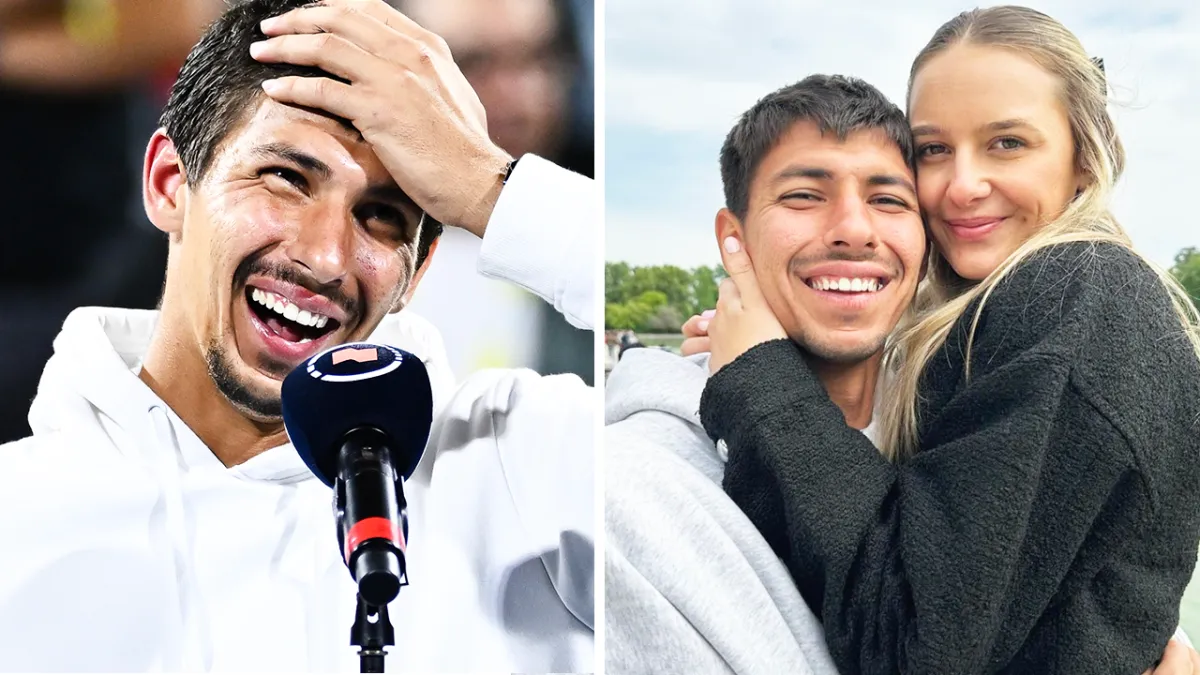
{"points": [[359, 416]]}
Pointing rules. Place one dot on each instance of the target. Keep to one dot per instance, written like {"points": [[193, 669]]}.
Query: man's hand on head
{"points": [[743, 318], [405, 95]]}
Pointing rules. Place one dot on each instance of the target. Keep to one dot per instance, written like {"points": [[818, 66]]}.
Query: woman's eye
{"points": [[1009, 143], [931, 149]]}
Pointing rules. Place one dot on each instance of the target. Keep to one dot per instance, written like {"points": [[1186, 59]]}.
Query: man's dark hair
{"points": [[220, 83], [836, 104]]}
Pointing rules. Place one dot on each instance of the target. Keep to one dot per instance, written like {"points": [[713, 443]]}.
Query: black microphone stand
{"points": [[367, 488], [372, 632]]}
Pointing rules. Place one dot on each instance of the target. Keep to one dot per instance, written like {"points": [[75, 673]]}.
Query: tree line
{"points": [[658, 298], [1187, 271]]}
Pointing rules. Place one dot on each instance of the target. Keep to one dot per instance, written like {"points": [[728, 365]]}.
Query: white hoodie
{"points": [[126, 545]]}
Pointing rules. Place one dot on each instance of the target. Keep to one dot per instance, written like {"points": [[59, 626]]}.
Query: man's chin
{"points": [[255, 394], [254, 400], [845, 349]]}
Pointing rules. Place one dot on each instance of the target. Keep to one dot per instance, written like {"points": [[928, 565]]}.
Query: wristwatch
{"points": [[508, 170]]}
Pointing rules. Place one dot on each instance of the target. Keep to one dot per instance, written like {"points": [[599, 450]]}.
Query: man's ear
{"points": [[728, 225], [403, 300], [164, 185]]}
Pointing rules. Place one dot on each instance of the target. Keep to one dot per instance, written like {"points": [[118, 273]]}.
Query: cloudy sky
{"points": [[678, 74]]}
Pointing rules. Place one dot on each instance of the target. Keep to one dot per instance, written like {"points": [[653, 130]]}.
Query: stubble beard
{"points": [[221, 370]]}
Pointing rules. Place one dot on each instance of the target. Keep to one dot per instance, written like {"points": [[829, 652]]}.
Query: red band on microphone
{"points": [[373, 528]]}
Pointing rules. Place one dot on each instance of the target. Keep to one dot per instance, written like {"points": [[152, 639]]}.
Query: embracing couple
{"points": [[944, 419]]}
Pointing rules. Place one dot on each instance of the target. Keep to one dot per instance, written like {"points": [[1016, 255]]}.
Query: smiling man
{"points": [[818, 181], [289, 235], [307, 156]]}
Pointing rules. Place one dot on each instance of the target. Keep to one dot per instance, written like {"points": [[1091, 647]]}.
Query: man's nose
{"points": [[851, 227], [323, 242]]}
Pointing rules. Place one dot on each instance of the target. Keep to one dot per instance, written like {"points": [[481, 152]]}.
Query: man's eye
{"points": [[398, 226], [891, 201], [802, 196], [293, 177], [387, 214]]}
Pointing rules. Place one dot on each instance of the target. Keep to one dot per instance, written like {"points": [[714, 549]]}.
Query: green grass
{"points": [[671, 341]]}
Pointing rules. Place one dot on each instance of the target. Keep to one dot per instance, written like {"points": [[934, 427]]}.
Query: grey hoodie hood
{"points": [[658, 393], [690, 584]]}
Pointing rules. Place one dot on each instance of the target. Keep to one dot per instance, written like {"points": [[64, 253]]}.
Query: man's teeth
{"points": [[847, 284], [287, 310]]}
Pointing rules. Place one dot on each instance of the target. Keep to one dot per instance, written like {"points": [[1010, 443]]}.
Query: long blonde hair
{"points": [[1099, 158]]}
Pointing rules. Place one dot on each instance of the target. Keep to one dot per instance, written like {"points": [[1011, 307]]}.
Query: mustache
{"points": [[798, 263], [255, 265]]}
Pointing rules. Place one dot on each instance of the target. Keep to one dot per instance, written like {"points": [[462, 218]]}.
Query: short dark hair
{"points": [[834, 103], [220, 83]]}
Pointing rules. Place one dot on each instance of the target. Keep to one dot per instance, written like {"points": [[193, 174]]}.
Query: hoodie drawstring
{"points": [[197, 649]]}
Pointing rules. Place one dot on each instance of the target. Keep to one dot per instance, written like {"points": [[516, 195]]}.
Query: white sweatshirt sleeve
{"points": [[544, 235], [547, 453], [516, 453]]}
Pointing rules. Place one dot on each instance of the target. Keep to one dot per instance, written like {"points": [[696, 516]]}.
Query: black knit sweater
{"points": [[1049, 522]]}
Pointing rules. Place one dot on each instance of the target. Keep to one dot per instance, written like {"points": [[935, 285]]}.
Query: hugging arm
{"points": [[952, 560]]}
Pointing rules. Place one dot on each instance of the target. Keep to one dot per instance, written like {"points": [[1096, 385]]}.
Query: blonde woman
{"points": [[1035, 507]]}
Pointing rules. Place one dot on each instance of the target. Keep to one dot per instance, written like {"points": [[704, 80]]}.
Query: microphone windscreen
{"points": [[358, 385]]}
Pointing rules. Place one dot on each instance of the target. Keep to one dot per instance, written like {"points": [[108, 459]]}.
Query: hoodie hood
{"points": [[649, 379], [92, 379], [661, 391], [653, 395]]}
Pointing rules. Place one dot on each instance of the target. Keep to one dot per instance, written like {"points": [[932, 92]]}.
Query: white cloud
{"points": [[679, 74]]}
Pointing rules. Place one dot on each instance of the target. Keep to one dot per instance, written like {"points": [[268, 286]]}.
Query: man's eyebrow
{"points": [[818, 173], [1000, 125], [383, 192], [883, 179], [797, 171], [295, 156], [391, 193]]}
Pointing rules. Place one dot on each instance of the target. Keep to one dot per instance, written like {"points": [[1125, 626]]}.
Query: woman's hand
{"points": [[695, 333], [1178, 659], [743, 319]]}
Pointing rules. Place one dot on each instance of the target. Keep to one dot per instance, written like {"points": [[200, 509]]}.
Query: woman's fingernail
{"points": [[703, 325], [732, 245], [708, 313], [265, 24], [271, 86], [257, 48]]}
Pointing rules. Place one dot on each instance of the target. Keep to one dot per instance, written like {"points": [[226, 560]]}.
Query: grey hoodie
{"points": [[690, 584]]}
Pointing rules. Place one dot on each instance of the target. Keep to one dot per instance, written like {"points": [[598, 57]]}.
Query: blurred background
{"points": [[670, 98], [531, 62], [82, 83]]}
